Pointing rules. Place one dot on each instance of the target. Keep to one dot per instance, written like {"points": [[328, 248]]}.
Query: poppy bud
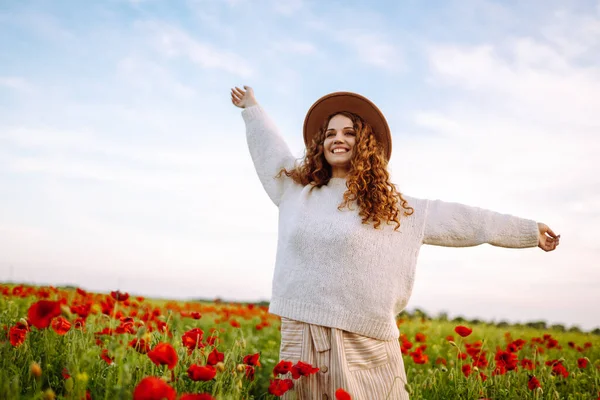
{"points": [[69, 384], [65, 311], [35, 369], [241, 368], [96, 308], [24, 322], [220, 366], [49, 394], [82, 377]]}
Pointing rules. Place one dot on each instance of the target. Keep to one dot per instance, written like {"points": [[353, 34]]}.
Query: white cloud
{"points": [[371, 45], [173, 42], [374, 49], [553, 90], [574, 35], [148, 76]]}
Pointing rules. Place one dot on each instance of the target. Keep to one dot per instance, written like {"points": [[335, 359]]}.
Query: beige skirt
{"points": [[366, 368]]}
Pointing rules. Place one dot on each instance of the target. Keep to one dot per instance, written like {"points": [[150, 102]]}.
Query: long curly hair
{"points": [[367, 181]]}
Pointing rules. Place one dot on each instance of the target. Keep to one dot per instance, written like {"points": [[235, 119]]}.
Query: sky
{"points": [[124, 165]]}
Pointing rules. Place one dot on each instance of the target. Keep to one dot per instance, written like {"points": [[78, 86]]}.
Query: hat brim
{"points": [[355, 103]]}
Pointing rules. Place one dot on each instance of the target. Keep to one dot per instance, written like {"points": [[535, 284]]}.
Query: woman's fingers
{"points": [[242, 98], [236, 96], [239, 91], [550, 232]]}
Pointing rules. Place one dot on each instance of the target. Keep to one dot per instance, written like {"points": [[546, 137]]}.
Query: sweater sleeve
{"points": [[459, 225], [268, 150]]}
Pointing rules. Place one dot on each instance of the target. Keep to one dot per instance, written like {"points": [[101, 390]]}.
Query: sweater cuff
{"points": [[252, 113], [529, 233]]}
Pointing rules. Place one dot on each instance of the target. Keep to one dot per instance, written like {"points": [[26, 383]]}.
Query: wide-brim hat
{"points": [[355, 103]]}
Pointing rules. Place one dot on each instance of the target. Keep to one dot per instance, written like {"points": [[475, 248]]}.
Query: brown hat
{"points": [[355, 103]]}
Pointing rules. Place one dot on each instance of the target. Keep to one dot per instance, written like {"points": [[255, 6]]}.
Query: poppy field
{"points": [[67, 343]]}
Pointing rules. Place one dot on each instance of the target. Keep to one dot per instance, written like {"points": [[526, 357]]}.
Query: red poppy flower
{"points": [[506, 360], [40, 313], [341, 394], [17, 334], [419, 358], [252, 359], [527, 364], [533, 383], [79, 323], [65, 373], [163, 353], [303, 369], [212, 340], [192, 339], [463, 330], [105, 357], [559, 369], [582, 362], [466, 370], [201, 372], [420, 337], [60, 325], [140, 345], [203, 396], [118, 296], [283, 367], [249, 372], [153, 388], [278, 387], [405, 346], [196, 315], [214, 357], [483, 376]]}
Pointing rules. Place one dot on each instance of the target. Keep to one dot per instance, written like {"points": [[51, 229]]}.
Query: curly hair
{"points": [[367, 181]]}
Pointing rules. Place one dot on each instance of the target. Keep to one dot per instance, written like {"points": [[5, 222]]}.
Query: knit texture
{"points": [[333, 270]]}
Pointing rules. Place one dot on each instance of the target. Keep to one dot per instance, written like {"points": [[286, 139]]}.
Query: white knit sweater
{"points": [[335, 271]]}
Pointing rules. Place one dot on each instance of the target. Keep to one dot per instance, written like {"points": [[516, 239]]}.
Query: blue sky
{"points": [[124, 165]]}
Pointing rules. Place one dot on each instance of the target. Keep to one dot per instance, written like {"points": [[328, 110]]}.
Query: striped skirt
{"points": [[366, 368]]}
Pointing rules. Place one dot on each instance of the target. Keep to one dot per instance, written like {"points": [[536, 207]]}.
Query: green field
{"points": [[71, 344]]}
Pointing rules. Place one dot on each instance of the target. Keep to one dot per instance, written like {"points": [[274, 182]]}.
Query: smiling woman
{"points": [[341, 276]]}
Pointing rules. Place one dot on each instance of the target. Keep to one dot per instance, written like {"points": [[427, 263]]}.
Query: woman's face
{"points": [[340, 138]]}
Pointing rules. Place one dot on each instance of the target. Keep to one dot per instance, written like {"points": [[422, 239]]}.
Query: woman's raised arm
{"points": [[268, 149]]}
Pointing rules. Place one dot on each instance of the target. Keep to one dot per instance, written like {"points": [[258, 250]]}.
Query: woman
{"points": [[342, 272]]}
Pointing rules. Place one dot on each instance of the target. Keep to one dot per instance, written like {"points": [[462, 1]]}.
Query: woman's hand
{"points": [[243, 99], [547, 242]]}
